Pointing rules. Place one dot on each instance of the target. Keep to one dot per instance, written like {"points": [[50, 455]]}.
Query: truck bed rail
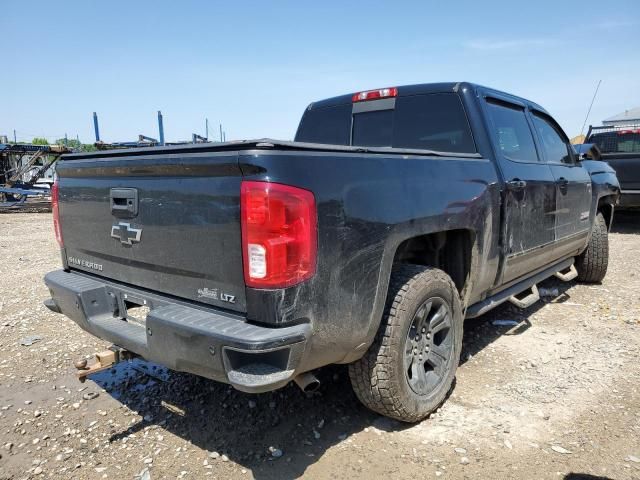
{"points": [[260, 144]]}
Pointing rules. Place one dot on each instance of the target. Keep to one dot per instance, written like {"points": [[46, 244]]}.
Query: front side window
{"points": [[554, 147], [512, 133]]}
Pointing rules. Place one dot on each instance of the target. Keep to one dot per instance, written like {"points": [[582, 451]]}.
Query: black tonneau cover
{"points": [[259, 144]]}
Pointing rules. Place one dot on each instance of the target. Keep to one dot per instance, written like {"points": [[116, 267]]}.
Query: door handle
{"points": [[562, 183], [516, 184], [124, 202]]}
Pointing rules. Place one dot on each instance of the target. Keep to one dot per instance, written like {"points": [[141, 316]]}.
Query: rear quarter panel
{"points": [[367, 205]]}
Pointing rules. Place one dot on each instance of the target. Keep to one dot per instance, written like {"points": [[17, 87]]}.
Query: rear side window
{"points": [[512, 133], [326, 125], [617, 142]]}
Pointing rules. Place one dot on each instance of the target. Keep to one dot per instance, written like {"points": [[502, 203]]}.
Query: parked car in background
{"points": [[395, 214], [620, 147]]}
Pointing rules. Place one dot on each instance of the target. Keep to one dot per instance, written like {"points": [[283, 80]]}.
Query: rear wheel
{"points": [[593, 262], [410, 367]]}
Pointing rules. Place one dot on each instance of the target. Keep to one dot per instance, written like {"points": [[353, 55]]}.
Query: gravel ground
{"points": [[554, 396]]}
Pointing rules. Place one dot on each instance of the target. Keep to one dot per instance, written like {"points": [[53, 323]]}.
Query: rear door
{"points": [[167, 222], [573, 185], [530, 191]]}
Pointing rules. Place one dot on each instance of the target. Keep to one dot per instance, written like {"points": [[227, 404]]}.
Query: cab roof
{"points": [[426, 88]]}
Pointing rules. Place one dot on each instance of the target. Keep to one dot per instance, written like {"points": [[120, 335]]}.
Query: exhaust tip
{"points": [[307, 382], [312, 386], [52, 305]]}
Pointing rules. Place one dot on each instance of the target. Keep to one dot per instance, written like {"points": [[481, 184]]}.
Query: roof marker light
{"points": [[375, 94]]}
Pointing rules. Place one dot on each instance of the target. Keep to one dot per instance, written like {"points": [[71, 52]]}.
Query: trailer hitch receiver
{"points": [[103, 361]]}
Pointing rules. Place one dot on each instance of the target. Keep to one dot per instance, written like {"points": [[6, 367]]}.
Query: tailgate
{"points": [[165, 222], [627, 170]]}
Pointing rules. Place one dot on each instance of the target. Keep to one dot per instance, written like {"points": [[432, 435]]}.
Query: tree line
{"points": [[70, 143]]}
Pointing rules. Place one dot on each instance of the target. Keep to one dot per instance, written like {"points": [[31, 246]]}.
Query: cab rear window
{"points": [[426, 122], [326, 125], [373, 129], [617, 142], [432, 122]]}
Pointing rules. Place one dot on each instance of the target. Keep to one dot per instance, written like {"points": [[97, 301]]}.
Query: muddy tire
{"points": [[409, 369], [593, 262]]}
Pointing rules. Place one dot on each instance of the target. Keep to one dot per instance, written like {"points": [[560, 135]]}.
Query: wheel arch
{"points": [[452, 251], [606, 206]]}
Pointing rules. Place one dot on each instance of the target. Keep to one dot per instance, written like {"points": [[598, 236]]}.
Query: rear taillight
{"points": [[279, 238], [55, 197], [375, 94]]}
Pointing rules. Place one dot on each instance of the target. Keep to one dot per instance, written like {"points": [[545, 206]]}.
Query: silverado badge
{"points": [[213, 294]]}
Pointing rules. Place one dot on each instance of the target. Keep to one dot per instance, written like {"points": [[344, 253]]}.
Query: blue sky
{"points": [[254, 66]]}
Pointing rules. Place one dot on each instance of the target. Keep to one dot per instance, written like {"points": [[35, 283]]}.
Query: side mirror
{"points": [[587, 151]]}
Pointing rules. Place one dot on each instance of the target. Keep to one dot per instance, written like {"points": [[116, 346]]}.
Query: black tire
{"points": [[383, 380], [593, 262]]}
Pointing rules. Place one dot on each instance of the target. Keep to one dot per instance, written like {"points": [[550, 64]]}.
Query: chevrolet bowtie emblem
{"points": [[127, 235]]}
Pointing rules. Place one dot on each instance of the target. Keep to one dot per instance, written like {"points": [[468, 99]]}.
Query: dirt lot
{"points": [[556, 396]]}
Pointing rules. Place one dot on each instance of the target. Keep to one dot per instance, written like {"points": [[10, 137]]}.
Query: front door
{"points": [[573, 186], [529, 199]]}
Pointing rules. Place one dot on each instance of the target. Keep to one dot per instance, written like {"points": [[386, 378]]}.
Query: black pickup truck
{"points": [[394, 215], [619, 146]]}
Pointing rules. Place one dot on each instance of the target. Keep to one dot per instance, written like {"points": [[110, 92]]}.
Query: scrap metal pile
{"points": [[26, 173]]}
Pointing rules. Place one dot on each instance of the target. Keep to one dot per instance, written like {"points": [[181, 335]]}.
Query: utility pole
{"points": [[14, 136], [66, 140], [206, 128], [221, 133]]}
